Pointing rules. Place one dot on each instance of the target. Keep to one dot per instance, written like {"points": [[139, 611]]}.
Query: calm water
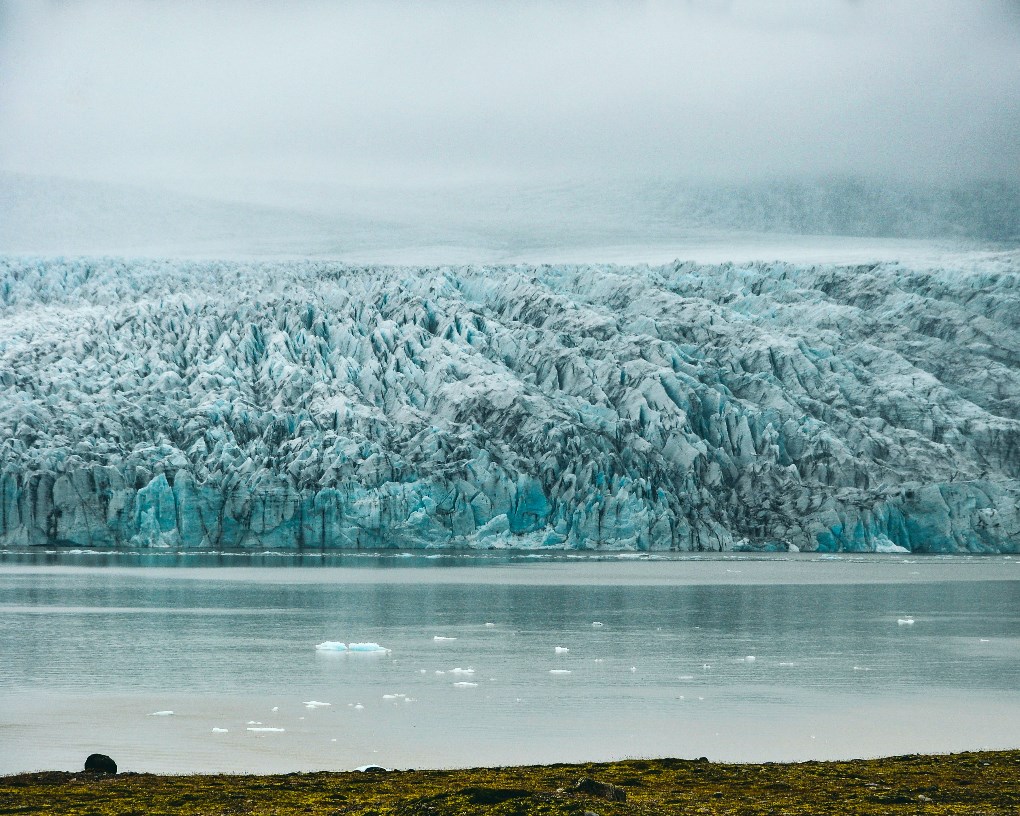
{"points": [[92, 646]]}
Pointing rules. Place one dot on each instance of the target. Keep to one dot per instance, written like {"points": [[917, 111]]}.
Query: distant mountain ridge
{"points": [[490, 222]]}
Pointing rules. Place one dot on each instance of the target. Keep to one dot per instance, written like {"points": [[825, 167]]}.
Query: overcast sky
{"points": [[361, 91]]}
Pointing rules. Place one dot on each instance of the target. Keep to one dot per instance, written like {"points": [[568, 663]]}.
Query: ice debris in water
{"points": [[465, 684], [442, 638], [596, 624], [750, 659], [340, 646], [266, 730], [559, 671], [220, 730], [366, 647], [315, 704], [561, 649], [161, 714], [459, 670], [905, 621], [489, 624]]}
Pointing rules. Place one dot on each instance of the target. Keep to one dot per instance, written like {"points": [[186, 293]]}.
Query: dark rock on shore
{"points": [[100, 763]]}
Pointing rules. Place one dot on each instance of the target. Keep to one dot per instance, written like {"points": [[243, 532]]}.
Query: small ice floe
{"points": [[313, 704], [465, 684], [423, 671], [600, 660], [220, 731], [267, 730], [440, 671], [861, 668], [561, 649], [750, 659], [367, 647], [489, 624], [633, 668], [340, 646], [358, 707], [984, 640], [254, 722], [686, 677], [443, 638], [597, 624], [705, 666], [393, 696], [787, 664], [459, 670], [559, 671], [276, 708], [161, 714], [905, 621]]}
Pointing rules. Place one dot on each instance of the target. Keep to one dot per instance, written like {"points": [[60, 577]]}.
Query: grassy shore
{"points": [[970, 783]]}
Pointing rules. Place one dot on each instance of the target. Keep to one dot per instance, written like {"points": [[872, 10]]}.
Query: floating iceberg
{"points": [[265, 730], [560, 671], [339, 646], [442, 638], [366, 647], [561, 649], [905, 621], [465, 684], [161, 714], [315, 704]]}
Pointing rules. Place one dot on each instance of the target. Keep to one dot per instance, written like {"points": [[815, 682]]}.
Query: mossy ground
{"points": [[970, 783]]}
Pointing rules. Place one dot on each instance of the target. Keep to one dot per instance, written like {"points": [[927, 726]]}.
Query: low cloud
{"points": [[415, 93]]}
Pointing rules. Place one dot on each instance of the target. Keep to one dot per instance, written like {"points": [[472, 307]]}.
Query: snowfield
{"points": [[310, 404]]}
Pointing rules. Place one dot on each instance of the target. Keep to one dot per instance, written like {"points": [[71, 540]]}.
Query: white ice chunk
{"points": [[559, 671], [459, 670], [490, 625], [267, 730], [561, 649], [750, 659], [161, 714], [597, 624], [314, 704], [220, 730], [442, 638], [465, 684], [367, 647], [331, 646], [905, 621]]}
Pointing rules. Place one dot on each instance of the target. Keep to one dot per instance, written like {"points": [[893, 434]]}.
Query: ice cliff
{"points": [[316, 405]]}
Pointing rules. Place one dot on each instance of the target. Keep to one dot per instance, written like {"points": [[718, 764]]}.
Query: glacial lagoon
{"points": [[178, 662]]}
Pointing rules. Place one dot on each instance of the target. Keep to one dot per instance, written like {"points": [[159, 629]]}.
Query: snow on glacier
{"points": [[310, 404]]}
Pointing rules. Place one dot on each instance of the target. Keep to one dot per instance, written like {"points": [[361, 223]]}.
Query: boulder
{"points": [[100, 763]]}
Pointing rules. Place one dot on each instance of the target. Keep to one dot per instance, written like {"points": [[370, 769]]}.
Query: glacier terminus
{"points": [[318, 405]]}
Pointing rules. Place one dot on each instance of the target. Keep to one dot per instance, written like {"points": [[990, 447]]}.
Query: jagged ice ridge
{"points": [[315, 405]]}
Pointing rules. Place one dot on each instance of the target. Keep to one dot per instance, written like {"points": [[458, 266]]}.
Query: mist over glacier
{"points": [[319, 405]]}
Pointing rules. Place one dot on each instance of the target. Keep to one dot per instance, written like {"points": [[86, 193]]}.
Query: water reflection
{"points": [[89, 652]]}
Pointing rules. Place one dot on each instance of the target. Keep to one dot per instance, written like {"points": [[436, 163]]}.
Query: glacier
{"points": [[318, 405]]}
